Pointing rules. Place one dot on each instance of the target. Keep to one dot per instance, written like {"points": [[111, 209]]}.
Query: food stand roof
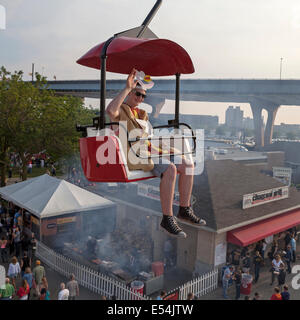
{"points": [[46, 196]]}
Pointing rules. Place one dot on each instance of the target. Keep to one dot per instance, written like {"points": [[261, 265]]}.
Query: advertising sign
{"points": [[283, 175], [266, 196], [220, 253]]}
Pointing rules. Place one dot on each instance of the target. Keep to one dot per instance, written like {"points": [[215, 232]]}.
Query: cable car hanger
{"points": [[120, 54]]}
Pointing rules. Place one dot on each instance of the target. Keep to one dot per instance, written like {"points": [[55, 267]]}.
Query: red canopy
{"points": [[156, 57], [257, 231]]}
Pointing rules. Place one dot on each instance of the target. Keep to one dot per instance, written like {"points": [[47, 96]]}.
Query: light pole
{"points": [[280, 66]]}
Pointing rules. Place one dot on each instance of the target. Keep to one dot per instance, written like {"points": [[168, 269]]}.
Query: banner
{"points": [[262, 197], [283, 175]]}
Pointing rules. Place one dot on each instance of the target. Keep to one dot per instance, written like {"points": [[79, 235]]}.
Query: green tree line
{"points": [[33, 119]]}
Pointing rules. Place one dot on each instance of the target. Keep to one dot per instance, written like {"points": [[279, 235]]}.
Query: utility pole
{"points": [[32, 73], [280, 67]]}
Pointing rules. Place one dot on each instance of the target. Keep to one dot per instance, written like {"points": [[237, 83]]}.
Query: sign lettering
{"points": [[258, 198]]}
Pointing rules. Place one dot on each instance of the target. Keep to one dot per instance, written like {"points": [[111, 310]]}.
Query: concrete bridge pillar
{"points": [[157, 104], [257, 108], [272, 111]]}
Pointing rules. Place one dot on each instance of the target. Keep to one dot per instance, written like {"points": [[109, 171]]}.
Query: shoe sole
{"points": [[172, 234], [190, 222]]}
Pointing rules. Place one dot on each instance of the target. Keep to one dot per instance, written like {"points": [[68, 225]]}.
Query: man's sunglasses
{"points": [[138, 94]]}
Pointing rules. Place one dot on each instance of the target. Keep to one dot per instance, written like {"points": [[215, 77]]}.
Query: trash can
{"points": [[137, 286], [246, 284]]}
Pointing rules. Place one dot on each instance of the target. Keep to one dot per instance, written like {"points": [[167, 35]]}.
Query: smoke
{"points": [[122, 235]]}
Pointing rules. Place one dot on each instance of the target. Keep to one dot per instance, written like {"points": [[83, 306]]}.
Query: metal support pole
{"points": [[103, 83], [149, 17], [102, 93], [177, 98]]}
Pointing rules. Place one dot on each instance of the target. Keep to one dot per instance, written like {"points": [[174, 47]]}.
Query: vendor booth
{"points": [[61, 211]]}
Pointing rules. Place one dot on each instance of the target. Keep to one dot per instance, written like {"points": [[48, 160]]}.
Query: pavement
{"points": [[262, 286], [54, 280]]}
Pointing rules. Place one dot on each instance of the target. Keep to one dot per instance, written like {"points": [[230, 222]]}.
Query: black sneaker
{"points": [[186, 214], [169, 225]]}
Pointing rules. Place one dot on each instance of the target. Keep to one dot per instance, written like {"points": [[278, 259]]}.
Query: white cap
{"points": [[144, 80]]}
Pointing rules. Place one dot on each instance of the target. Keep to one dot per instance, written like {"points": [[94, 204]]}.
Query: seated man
{"points": [[124, 108]]}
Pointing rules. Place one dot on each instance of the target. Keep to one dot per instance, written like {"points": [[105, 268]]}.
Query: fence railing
{"points": [[104, 285], [86, 277], [200, 286]]}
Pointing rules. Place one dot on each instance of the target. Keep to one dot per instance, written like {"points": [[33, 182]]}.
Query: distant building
{"points": [[283, 129], [248, 123], [195, 121], [234, 117]]}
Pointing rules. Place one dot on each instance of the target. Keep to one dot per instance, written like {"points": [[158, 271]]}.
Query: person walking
{"points": [[53, 170], [32, 247], [293, 245], [63, 294], [7, 292], [276, 263], [13, 270], [190, 296], [273, 250], [11, 243], [227, 276], [288, 258], [25, 263], [276, 295], [285, 293], [3, 248], [73, 288], [264, 247], [38, 273], [257, 296], [162, 295], [246, 263], [281, 276], [29, 278], [287, 238], [237, 277], [44, 285], [257, 261], [24, 290], [17, 241]]}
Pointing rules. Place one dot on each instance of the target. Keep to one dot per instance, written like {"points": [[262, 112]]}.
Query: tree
{"points": [[34, 119], [5, 137]]}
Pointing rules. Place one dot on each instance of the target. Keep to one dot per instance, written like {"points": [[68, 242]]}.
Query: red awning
{"points": [[257, 231], [156, 57]]}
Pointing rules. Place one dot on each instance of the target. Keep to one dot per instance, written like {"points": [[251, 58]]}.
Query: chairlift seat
{"points": [[113, 167], [107, 172]]}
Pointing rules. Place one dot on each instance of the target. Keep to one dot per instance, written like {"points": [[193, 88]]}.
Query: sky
{"points": [[226, 39]]}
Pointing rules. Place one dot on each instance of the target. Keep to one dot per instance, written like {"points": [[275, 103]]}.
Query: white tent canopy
{"points": [[46, 196]]}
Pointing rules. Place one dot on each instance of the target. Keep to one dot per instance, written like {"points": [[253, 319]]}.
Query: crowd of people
{"points": [[247, 265], [17, 250]]}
